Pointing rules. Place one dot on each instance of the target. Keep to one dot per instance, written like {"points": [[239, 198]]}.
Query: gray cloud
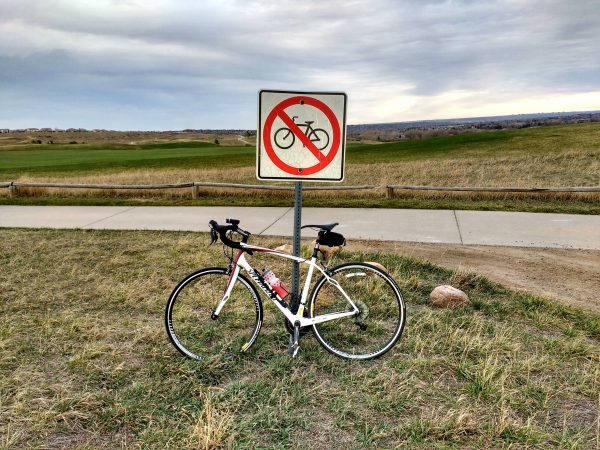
{"points": [[160, 64]]}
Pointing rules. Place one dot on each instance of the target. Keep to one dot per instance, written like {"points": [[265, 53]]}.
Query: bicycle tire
{"points": [[189, 324], [284, 138], [382, 314], [324, 137]]}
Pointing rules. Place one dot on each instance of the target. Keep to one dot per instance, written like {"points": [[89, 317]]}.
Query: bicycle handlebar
{"points": [[223, 229]]}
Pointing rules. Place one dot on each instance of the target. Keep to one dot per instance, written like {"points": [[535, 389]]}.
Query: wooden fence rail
{"points": [[195, 185], [286, 188], [102, 186], [391, 187]]}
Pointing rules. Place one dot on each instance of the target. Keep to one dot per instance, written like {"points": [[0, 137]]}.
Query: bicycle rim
{"points": [[190, 326], [380, 320]]}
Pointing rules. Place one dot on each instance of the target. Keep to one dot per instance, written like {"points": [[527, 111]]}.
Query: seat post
{"points": [[316, 248]]}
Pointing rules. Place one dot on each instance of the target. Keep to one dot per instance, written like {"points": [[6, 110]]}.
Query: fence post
{"points": [[12, 190], [389, 192], [195, 191]]}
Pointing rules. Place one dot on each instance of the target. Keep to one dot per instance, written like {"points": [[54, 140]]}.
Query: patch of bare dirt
{"points": [[567, 275]]}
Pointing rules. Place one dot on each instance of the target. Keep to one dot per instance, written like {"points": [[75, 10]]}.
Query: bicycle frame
{"points": [[309, 130], [307, 124], [239, 262]]}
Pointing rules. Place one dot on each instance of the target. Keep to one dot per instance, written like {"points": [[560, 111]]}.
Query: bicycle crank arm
{"points": [[294, 346]]}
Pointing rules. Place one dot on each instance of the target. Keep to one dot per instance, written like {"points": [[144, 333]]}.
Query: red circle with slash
{"points": [[279, 111]]}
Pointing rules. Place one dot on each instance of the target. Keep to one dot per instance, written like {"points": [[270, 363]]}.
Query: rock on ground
{"points": [[448, 297]]}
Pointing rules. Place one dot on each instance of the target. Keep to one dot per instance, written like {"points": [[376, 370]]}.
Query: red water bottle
{"points": [[275, 283]]}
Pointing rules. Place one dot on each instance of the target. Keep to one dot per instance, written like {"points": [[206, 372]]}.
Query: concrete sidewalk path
{"points": [[414, 225]]}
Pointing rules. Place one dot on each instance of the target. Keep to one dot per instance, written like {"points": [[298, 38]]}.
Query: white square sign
{"points": [[301, 136]]}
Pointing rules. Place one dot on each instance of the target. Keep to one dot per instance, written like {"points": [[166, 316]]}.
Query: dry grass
{"points": [[568, 168], [559, 169], [85, 363], [211, 428]]}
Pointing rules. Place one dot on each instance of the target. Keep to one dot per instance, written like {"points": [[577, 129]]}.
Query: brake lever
{"points": [[213, 236]]}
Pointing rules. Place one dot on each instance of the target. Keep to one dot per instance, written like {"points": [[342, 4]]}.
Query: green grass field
{"points": [[83, 158], [552, 156], [85, 362]]}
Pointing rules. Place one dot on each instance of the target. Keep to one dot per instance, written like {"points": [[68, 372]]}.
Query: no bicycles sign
{"points": [[301, 136]]}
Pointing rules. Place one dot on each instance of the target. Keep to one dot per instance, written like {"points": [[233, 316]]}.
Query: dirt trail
{"points": [[570, 276]]}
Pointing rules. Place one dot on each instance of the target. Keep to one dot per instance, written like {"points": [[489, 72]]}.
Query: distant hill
{"points": [[471, 120], [394, 131]]}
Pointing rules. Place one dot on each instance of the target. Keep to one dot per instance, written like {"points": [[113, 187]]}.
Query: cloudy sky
{"points": [[174, 64]]}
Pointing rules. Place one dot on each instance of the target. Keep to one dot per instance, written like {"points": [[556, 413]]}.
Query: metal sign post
{"points": [[296, 246]]}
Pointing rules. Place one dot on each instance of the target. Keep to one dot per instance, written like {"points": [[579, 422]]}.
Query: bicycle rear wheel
{"points": [[188, 315], [380, 320], [321, 138]]}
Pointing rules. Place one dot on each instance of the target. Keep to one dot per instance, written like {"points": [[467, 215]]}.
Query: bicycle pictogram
{"points": [[285, 138], [301, 136]]}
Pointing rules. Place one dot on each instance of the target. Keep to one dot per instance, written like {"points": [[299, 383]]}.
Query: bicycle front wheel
{"points": [[189, 319], [375, 328], [284, 138]]}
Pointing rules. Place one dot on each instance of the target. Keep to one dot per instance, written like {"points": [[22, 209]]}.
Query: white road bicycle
{"points": [[356, 309]]}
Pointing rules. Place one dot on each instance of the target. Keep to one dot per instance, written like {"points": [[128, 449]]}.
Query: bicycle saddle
{"points": [[326, 227]]}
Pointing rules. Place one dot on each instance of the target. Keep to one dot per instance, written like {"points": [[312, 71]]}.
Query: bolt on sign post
{"points": [[301, 136]]}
